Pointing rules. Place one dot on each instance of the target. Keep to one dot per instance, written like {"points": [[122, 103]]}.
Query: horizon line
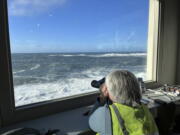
{"points": [[87, 52]]}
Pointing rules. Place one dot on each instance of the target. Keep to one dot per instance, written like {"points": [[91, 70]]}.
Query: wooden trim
{"points": [[6, 93], [33, 111]]}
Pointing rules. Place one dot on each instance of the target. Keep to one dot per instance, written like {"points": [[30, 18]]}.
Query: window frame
{"points": [[11, 114]]}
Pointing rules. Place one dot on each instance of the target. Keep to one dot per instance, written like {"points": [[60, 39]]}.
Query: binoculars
{"points": [[97, 83]]}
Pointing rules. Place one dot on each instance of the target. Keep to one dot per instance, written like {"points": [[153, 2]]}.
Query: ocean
{"points": [[40, 77]]}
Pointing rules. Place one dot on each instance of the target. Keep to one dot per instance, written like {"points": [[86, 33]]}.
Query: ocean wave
{"points": [[35, 67], [33, 93], [31, 77], [141, 74], [74, 85], [100, 55], [37, 92], [67, 55], [52, 55], [20, 71], [119, 55]]}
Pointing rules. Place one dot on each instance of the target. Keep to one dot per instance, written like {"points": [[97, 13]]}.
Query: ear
{"points": [[106, 93]]}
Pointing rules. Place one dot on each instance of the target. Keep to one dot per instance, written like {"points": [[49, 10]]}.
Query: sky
{"points": [[78, 25]]}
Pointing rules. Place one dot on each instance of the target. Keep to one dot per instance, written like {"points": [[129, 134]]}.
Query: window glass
{"points": [[59, 46]]}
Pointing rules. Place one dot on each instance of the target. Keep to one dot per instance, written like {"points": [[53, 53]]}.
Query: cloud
{"points": [[32, 7]]}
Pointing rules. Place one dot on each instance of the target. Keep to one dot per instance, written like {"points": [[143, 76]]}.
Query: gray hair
{"points": [[124, 87]]}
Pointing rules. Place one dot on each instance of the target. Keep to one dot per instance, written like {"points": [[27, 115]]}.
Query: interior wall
{"points": [[168, 42], [0, 118], [178, 54]]}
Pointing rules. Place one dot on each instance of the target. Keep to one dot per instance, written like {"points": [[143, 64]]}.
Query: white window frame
{"points": [[153, 34]]}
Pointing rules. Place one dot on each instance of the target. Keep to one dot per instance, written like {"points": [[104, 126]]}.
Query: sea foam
{"points": [[38, 92], [101, 55], [32, 93], [20, 71], [35, 67]]}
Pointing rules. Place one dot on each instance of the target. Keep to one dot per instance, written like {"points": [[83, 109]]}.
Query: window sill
{"points": [[70, 122]]}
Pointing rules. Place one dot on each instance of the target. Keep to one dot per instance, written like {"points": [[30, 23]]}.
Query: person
{"points": [[118, 110]]}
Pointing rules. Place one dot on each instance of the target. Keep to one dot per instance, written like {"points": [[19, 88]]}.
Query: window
{"points": [[58, 47]]}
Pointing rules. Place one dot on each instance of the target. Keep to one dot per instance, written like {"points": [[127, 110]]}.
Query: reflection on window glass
{"points": [[59, 46]]}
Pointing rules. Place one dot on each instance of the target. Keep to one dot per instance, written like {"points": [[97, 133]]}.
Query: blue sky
{"points": [[78, 25]]}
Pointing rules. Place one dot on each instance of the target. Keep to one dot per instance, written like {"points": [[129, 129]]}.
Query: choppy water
{"points": [[45, 76]]}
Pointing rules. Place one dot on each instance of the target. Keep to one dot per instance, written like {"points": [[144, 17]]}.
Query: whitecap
{"points": [[35, 67], [71, 55], [103, 55], [38, 92], [33, 93], [67, 55], [141, 74], [52, 55], [20, 71], [118, 55]]}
